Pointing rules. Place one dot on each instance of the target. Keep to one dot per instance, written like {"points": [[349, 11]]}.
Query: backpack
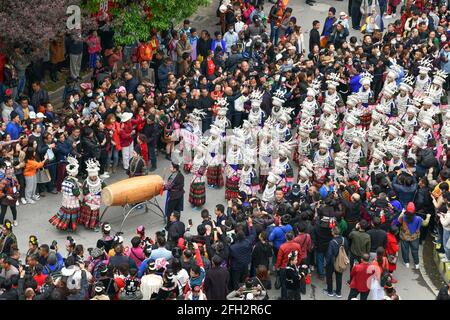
{"points": [[342, 261], [99, 265], [54, 274]]}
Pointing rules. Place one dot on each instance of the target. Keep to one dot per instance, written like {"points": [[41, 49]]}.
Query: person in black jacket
{"points": [[424, 205], [378, 237], [175, 229], [261, 254], [321, 237], [175, 191], [90, 148], [216, 280], [314, 36], [330, 258], [293, 277], [151, 131]]}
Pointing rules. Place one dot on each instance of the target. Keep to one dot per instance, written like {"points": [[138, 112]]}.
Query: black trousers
{"points": [[330, 270], [3, 212], [238, 276], [356, 16], [354, 293], [174, 205], [103, 160], [21, 179], [294, 294]]}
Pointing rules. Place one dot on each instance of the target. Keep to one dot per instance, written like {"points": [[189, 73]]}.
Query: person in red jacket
{"points": [[126, 138], [283, 258], [392, 249], [142, 142], [360, 276]]}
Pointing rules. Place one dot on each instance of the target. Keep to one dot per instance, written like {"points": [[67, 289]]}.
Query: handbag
{"points": [[392, 258], [278, 282], [43, 176]]}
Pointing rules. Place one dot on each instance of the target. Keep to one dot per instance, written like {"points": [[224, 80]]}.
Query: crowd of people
{"points": [[332, 156]]}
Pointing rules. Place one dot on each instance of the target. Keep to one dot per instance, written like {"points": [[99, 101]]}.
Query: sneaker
{"points": [[387, 16], [325, 291], [104, 176], [36, 196], [54, 191], [407, 265], [23, 200], [417, 267], [394, 15], [31, 201], [15, 223], [338, 295], [17, 203], [152, 169], [444, 259]]}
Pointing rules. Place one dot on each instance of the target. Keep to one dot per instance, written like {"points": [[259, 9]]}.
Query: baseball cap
{"points": [[40, 115]]}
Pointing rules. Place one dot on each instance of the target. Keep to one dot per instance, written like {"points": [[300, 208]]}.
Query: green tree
{"points": [[133, 20]]}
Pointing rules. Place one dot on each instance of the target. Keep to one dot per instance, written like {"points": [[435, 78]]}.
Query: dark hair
{"points": [[380, 255], [363, 224], [376, 221], [204, 214], [78, 249], [201, 229], [290, 236], [216, 260], [135, 241], [315, 22], [176, 214], [161, 241], [220, 207]]}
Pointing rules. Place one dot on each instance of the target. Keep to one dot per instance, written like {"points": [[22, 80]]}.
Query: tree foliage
{"points": [[133, 20], [33, 23]]}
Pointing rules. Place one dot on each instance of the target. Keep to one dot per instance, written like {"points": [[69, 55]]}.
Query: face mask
{"points": [[100, 100], [443, 38], [101, 94], [378, 54], [72, 100], [89, 95]]}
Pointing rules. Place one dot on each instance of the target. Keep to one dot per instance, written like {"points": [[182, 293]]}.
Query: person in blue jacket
{"points": [[278, 234], [14, 128]]}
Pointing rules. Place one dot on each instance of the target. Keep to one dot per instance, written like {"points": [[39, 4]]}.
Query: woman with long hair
{"points": [[113, 128], [32, 165]]}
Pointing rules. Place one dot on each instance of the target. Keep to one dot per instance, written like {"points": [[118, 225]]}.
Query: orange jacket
{"points": [[31, 167]]}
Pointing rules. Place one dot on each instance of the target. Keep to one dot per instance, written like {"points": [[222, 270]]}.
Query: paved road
{"points": [[33, 219]]}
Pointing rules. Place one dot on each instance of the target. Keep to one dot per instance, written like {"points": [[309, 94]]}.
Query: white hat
{"points": [[427, 120], [222, 111], [412, 109], [311, 92], [304, 173], [351, 119], [40, 115], [215, 131], [284, 117], [366, 78], [427, 100], [425, 65], [393, 130], [353, 100], [328, 108], [419, 141], [390, 89], [323, 144], [405, 86], [72, 166], [439, 77], [333, 80], [407, 83], [340, 159], [273, 178], [92, 167], [378, 154], [250, 155], [126, 116], [32, 115]]}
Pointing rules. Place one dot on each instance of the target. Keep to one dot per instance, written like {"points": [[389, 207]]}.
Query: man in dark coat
{"points": [[216, 280], [314, 36], [175, 229], [175, 191], [241, 254]]}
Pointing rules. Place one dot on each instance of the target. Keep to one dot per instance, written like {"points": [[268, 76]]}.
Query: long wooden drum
{"points": [[132, 190]]}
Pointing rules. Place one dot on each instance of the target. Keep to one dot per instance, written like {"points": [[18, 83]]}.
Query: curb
{"points": [[424, 274]]}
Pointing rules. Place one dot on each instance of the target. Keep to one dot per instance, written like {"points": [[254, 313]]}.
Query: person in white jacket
{"points": [[445, 221], [230, 37]]}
